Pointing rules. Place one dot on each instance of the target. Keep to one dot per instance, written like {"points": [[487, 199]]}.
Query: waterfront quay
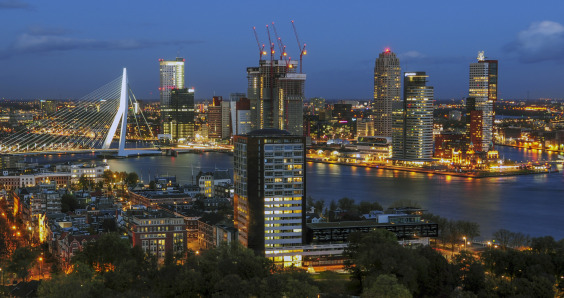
{"points": [[533, 169]]}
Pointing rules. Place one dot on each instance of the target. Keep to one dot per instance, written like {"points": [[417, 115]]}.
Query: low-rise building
{"points": [[157, 232]]}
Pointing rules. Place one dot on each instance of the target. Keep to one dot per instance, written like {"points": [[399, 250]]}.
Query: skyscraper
{"points": [[178, 115], [387, 84], [172, 77], [413, 122], [214, 118], [276, 93], [269, 177], [483, 91]]}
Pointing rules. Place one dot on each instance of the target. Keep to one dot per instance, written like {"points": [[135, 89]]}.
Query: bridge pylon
{"points": [[121, 115]]}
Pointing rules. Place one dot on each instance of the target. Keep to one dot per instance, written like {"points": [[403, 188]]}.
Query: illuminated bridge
{"points": [[90, 124]]}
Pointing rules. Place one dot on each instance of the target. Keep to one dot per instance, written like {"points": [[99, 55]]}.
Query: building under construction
{"points": [[276, 93], [276, 89]]}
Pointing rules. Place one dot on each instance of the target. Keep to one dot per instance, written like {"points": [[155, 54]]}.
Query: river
{"points": [[531, 204]]}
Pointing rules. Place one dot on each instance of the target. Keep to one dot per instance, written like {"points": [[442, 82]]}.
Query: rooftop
{"points": [[269, 132]]}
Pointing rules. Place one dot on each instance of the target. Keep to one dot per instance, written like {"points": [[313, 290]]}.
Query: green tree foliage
{"points": [[365, 207], [21, 262], [80, 283], [114, 269], [108, 176], [386, 286], [69, 203], [319, 207], [100, 185], [7, 242], [109, 225], [109, 251], [84, 182], [423, 271], [152, 185], [346, 204], [131, 178]]}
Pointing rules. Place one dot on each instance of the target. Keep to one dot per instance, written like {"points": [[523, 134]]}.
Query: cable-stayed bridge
{"points": [[94, 123]]}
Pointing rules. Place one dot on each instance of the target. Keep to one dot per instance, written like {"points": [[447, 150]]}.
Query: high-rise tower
{"points": [[172, 77], [387, 84], [413, 123], [178, 115], [276, 93], [483, 94], [269, 202]]}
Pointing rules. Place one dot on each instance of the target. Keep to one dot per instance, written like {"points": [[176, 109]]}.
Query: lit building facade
{"points": [[172, 77], [157, 232], [241, 116], [215, 119], [387, 84], [178, 115], [413, 123], [483, 90], [276, 93], [270, 186]]}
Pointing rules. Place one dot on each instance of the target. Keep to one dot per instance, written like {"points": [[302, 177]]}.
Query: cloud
{"points": [[411, 55], [14, 4], [542, 41], [41, 30], [46, 40], [421, 58]]}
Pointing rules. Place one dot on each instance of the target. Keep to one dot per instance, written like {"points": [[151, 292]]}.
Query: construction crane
{"points": [[261, 49], [281, 45], [302, 48], [272, 51]]}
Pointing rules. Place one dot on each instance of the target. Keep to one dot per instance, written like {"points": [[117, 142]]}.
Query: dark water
{"points": [[532, 204]]}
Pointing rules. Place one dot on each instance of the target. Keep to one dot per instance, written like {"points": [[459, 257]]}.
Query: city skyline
{"points": [[87, 50]]}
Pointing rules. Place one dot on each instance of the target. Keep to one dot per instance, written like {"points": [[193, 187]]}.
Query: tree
{"points": [[405, 203], [21, 262], [108, 176], [152, 185], [84, 182], [468, 229], [309, 202], [109, 225], [365, 207], [69, 203], [371, 253], [80, 283], [452, 233], [503, 237], [386, 286], [132, 178], [346, 203], [472, 273], [100, 185], [319, 207], [544, 245]]}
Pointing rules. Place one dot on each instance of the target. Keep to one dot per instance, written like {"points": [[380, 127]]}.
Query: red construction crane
{"points": [[302, 48], [272, 51], [261, 49], [281, 45]]}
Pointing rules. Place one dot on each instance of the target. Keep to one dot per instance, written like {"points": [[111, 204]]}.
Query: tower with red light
{"points": [[387, 88]]}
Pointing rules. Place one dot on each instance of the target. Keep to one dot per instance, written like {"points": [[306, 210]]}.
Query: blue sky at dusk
{"points": [[65, 49]]}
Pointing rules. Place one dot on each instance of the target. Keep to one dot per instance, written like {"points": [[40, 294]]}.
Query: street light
{"points": [[40, 265]]}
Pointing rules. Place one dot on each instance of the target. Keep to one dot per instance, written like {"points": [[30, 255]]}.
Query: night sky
{"points": [[65, 49]]}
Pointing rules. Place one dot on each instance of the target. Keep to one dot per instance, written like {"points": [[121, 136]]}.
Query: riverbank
{"points": [[531, 148], [481, 174]]}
